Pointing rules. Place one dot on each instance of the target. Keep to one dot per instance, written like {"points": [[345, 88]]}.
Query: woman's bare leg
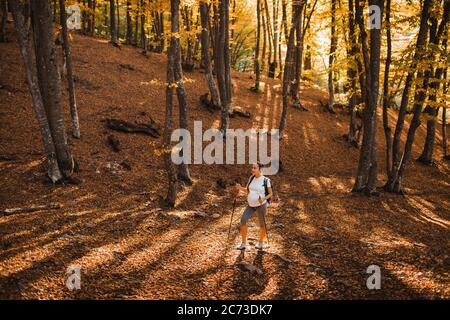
{"points": [[244, 233], [262, 234]]}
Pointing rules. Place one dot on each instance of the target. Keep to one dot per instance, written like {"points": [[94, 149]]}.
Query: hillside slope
{"points": [[128, 247]]}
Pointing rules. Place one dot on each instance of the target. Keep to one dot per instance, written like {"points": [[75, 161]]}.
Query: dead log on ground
{"points": [[151, 129], [52, 206]]}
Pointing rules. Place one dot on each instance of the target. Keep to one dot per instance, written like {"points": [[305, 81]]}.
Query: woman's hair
{"points": [[259, 164]]}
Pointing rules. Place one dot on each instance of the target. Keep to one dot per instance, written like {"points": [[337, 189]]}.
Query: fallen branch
{"points": [[151, 129], [52, 206]]}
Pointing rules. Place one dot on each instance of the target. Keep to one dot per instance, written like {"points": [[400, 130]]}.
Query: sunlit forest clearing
{"points": [[140, 227]]}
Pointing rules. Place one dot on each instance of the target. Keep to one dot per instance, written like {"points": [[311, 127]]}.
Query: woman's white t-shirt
{"points": [[257, 190]]}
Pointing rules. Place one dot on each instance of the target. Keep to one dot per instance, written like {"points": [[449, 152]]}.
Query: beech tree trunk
{"points": [[170, 168], [206, 58], [129, 33], [331, 57], [69, 73], [288, 67], [386, 93], [366, 176], [3, 19], [24, 39], [183, 170], [112, 22]]}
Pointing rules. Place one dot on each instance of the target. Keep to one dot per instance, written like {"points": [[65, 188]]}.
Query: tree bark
{"points": [[69, 73], [223, 69], [331, 58], [258, 40], [205, 20], [4, 19], [143, 35], [366, 177], [171, 172], [129, 33], [50, 82], [112, 22], [288, 67], [386, 92], [24, 39], [183, 170]]}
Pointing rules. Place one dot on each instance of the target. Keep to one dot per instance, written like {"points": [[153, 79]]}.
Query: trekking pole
{"points": [[232, 214], [265, 225]]}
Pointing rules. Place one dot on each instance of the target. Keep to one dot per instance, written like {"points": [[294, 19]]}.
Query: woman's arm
{"points": [[269, 196]]}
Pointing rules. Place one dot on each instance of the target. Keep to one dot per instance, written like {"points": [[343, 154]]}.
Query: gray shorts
{"points": [[249, 211]]}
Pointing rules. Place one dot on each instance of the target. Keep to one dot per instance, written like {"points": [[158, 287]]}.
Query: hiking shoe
{"points": [[243, 246], [259, 245]]}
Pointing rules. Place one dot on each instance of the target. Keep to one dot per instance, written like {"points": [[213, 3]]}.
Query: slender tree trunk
{"points": [[129, 35], [136, 24], [223, 69], [386, 93], [70, 85], [205, 20], [393, 184], [112, 22], [143, 33], [427, 156], [189, 61], [274, 64], [24, 39], [331, 57], [170, 168], [49, 82], [288, 66], [298, 59], [444, 116], [118, 19], [264, 38], [366, 177], [395, 180], [4, 19], [183, 170], [258, 40], [352, 71]]}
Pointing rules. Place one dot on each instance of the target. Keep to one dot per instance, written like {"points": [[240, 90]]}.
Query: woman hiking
{"points": [[259, 191]]}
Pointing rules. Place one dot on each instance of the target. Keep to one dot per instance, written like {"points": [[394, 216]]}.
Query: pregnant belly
{"points": [[253, 197]]}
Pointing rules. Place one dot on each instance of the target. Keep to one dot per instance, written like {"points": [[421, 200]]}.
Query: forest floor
{"points": [[322, 237]]}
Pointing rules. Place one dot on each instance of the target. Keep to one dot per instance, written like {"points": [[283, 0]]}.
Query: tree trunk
{"points": [[395, 179], [223, 70], [274, 64], [393, 184], [129, 35], [183, 170], [444, 116], [352, 72], [298, 60], [289, 61], [427, 156], [386, 93], [258, 40], [205, 20], [24, 39], [189, 61], [331, 57], [4, 19], [49, 82], [70, 86], [112, 22], [136, 25], [143, 34], [366, 177], [171, 172]]}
